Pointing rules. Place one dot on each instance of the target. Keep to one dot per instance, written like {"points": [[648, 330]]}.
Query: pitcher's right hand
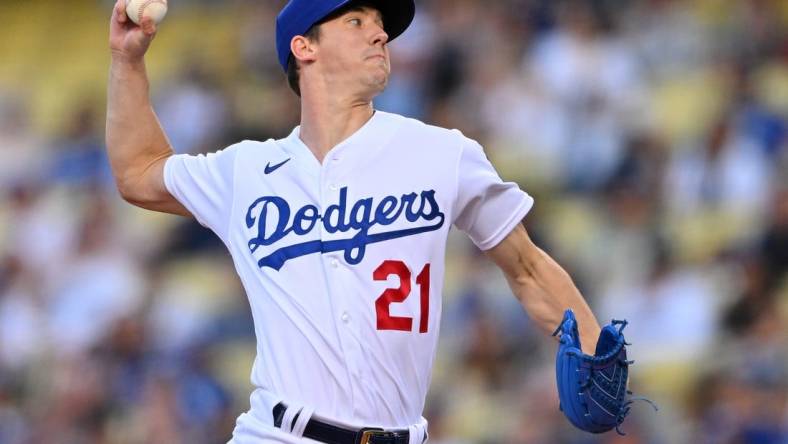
{"points": [[127, 40]]}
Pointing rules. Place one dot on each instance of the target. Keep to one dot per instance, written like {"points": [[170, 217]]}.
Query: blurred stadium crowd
{"points": [[652, 134]]}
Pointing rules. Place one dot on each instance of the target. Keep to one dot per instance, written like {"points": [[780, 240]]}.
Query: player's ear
{"points": [[303, 49]]}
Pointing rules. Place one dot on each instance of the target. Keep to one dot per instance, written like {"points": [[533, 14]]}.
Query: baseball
{"points": [[137, 9]]}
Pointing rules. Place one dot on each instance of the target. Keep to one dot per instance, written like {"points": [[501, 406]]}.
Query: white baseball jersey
{"points": [[343, 261]]}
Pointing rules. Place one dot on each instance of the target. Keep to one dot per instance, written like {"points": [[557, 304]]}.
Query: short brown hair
{"points": [[293, 76]]}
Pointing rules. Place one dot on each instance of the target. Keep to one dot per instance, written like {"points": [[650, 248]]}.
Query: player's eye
{"points": [[355, 21]]}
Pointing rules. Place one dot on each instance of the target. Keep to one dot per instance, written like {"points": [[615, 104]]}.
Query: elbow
{"points": [[540, 274], [127, 195], [528, 271], [128, 190]]}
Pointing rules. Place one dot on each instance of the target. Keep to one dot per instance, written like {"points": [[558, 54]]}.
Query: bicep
{"points": [[148, 190]]}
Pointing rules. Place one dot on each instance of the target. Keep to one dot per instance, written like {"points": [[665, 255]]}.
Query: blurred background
{"points": [[652, 134]]}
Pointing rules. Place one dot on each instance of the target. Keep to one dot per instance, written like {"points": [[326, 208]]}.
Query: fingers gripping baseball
{"points": [[127, 39]]}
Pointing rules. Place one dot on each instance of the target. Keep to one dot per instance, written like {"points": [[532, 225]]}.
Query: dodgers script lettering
{"points": [[274, 220]]}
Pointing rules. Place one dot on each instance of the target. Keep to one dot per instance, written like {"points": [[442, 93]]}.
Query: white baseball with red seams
{"points": [[137, 9]]}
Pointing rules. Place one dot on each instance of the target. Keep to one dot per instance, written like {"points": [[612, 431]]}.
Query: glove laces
{"points": [[626, 407]]}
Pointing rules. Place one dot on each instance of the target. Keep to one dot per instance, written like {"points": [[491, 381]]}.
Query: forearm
{"points": [[135, 139], [546, 290], [543, 288]]}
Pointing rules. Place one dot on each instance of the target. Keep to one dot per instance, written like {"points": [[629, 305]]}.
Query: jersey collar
{"points": [[371, 136]]}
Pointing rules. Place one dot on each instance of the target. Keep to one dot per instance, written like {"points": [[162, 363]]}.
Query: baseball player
{"points": [[338, 231]]}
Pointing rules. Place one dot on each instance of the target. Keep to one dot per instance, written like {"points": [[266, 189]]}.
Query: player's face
{"points": [[353, 51]]}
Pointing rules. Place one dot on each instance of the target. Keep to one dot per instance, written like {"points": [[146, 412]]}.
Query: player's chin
{"points": [[379, 64], [378, 78]]}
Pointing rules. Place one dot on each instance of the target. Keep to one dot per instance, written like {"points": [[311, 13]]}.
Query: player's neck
{"points": [[326, 123]]}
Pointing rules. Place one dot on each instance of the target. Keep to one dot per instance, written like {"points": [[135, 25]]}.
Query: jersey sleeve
{"points": [[204, 185], [486, 207]]}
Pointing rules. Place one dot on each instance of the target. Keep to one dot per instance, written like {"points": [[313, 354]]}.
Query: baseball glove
{"points": [[593, 389]]}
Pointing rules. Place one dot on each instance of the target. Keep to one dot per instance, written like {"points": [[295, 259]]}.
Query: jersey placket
{"points": [[332, 180]]}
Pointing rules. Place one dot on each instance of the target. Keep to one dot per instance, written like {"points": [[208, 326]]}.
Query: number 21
{"points": [[395, 295]]}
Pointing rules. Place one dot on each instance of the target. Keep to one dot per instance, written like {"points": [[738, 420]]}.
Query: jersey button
{"points": [[333, 187], [334, 263], [345, 317]]}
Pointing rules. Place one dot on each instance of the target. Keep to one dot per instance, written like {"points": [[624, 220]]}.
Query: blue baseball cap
{"points": [[299, 15]]}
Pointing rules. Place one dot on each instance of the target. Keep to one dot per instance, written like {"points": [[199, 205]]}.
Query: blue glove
{"points": [[593, 389]]}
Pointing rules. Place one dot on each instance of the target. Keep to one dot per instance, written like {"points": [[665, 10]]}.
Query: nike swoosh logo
{"points": [[270, 169]]}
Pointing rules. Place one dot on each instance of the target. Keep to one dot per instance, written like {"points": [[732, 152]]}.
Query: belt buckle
{"points": [[367, 434]]}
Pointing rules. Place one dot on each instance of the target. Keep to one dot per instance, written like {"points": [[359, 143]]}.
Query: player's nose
{"points": [[380, 37]]}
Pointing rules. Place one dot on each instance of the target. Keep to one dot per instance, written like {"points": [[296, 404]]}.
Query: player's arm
{"points": [[543, 288], [136, 144]]}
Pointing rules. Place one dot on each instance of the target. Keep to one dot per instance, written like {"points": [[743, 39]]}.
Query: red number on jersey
{"points": [[395, 295], [423, 279]]}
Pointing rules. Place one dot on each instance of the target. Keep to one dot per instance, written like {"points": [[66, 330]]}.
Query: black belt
{"points": [[331, 434]]}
